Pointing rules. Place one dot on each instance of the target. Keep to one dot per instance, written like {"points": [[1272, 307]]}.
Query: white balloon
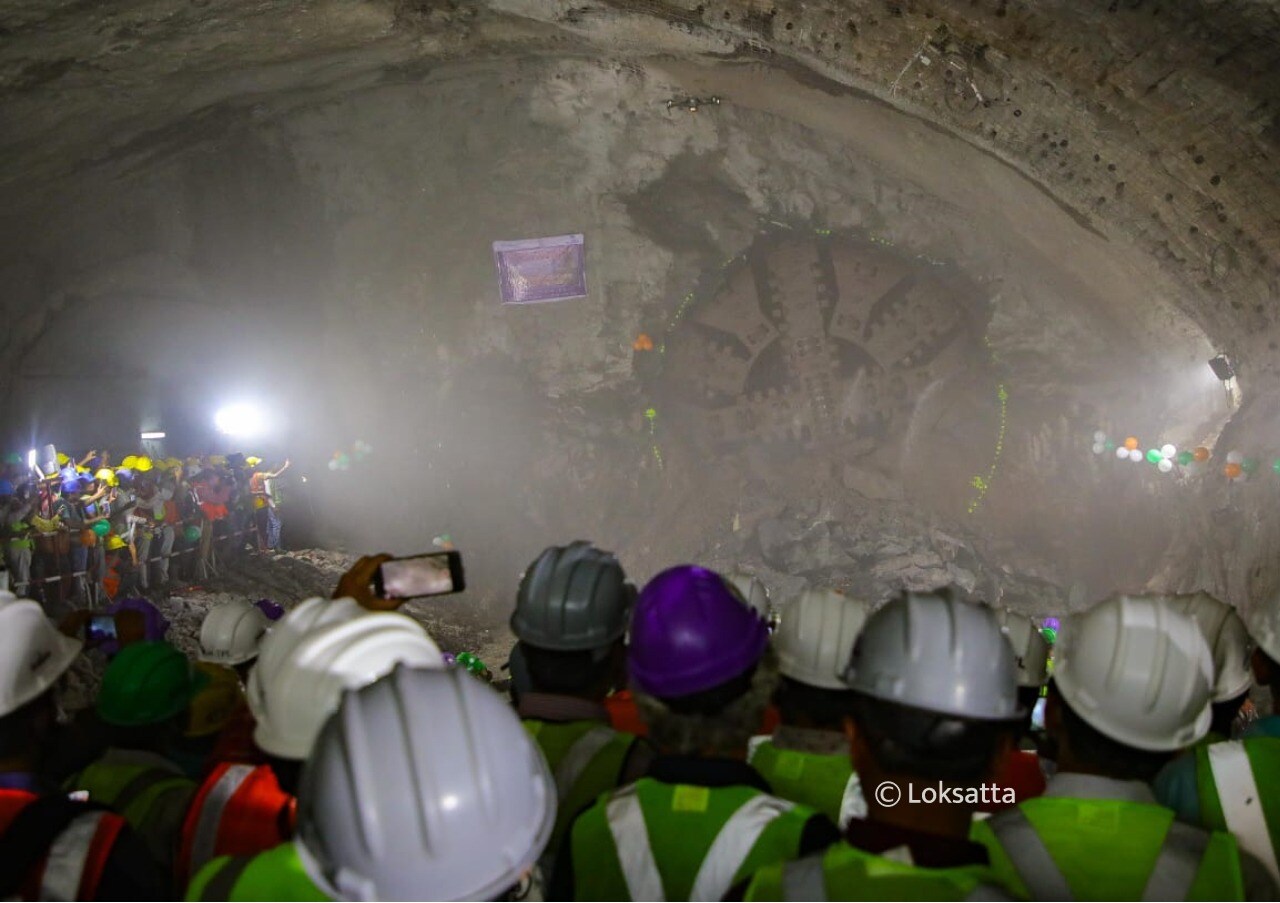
{"points": [[1122, 452], [1098, 448], [1234, 457], [1099, 437], [1135, 455], [1165, 465], [1168, 450]]}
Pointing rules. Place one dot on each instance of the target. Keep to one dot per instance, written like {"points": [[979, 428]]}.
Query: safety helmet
{"points": [[482, 804], [6, 487], [933, 652], [1137, 671], [753, 593], [1030, 647], [690, 633], [1264, 625], [292, 691], [147, 683], [1228, 641], [115, 542], [253, 460], [70, 486], [154, 624], [212, 708], [231, 632], [123, 473], [143, 464], [63, 459], [573, 598], [816, 635], [106, 475], [129, 462], [34, 654]]}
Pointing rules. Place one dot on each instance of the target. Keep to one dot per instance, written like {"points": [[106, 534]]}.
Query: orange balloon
{"points": [[1233, 470], [1131, 443], [1201, 454], [88, 539], [642, 343]]}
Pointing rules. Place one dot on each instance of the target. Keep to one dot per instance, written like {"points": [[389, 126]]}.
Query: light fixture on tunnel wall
{"points": [[1221, 366], [153, 435], [241, 420]]}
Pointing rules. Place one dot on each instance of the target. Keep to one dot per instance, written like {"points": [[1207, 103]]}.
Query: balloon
{"points": [[88, 538], [1131, 443], [1168, 450], [1110, 445], [1234, 457], [101, 528], [1052, 622], [1154, 456], [1201, 454], [1185, 458], [1050, 635], [1249, 465], [1233, 470], [1097, 448], [1276, 465], [1099, 436], [1165, 465], [1135, 455], [1122, 453], [191, 533]]}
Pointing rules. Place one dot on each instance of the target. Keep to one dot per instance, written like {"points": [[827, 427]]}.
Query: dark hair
{"points": [[17, 727], [1104, 755], [1225, 712], [911, 741], [825, 708], [570, 673]]}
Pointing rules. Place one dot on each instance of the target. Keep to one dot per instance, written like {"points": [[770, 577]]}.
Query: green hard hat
{"points": [[147, 683], [101, 528]]}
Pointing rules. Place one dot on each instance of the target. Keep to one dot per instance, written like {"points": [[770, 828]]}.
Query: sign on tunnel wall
{"points": [[541, 269]]}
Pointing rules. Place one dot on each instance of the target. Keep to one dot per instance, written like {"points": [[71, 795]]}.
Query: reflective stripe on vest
{"points": [[1241, 802], [631, 838], [1171, 878], [205, 838], [715, 875], [579, 756], [804, 879], [68, 855]]}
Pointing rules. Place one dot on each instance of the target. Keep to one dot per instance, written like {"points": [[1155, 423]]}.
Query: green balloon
{"points": [[1109, 445], [1050, 635], [1276, 465], [1185, 458], [1154, 456], [191, 533], [1249, 465], [101, 528]]}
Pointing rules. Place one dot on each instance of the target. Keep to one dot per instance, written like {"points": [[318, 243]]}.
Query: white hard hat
{"points": [[1228, 641], [291, 693], [425, 783], [752, 591], [34, 654], [1136, 671], [936, 653], [1029, 646], [286, 633], [816, 636], [231, 632], [1264, 626]]}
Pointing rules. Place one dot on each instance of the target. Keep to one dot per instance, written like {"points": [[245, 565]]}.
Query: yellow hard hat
{"points": [[115, 542], [253, 460], [129, 462], [211, 709], [142, 464], [62, 459], [106, 475]]}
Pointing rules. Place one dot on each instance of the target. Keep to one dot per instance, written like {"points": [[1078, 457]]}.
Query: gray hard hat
{"points": [[573, 598], [935, 653], [424, 783]]}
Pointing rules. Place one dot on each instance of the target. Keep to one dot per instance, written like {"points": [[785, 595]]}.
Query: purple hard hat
{"points": [[155, 627], [690, 632], [273, 610]]}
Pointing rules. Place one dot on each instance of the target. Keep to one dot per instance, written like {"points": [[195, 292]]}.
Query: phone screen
{"points": [[100, 629], [433, 574], [1037, 714]]}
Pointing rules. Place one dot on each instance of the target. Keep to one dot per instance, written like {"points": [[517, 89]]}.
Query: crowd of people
{"points": [[86, 531], [684, 741]]}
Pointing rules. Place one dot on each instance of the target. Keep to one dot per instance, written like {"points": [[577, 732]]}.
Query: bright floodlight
{"points": [[239, 420]]}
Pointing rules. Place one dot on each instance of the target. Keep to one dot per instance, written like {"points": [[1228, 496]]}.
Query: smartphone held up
{"points": [[417, 576]]}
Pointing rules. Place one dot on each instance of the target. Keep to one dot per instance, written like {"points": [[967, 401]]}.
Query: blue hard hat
{"points": [[71, 486], [6, 488]]}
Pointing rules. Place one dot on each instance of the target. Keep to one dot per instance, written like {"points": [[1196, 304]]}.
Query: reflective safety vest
{"points": [[1058, 848], [657, 841], [277, 874], [819, 781], [844, 872], [72, 867], [239, 810], [586, 758], [1238, 785], [135, 791]]}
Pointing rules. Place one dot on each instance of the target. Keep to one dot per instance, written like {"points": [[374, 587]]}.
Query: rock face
{"points": [[898, 262]]}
